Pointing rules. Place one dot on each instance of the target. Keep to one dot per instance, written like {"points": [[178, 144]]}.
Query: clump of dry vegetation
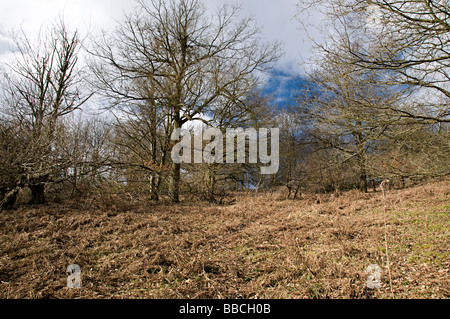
{"points": [[260, 246]]}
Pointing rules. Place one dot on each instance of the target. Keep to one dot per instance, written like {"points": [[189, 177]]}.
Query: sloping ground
{"points": [[261, 247]]}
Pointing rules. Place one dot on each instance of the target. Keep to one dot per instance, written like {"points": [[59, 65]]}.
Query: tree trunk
{"points": [[211, 183], [175, 170], [403, 182], [9, 200], [154, 187], [363, 183], [363, 187], [154, 177], [37, 194], [174, 185], [297, 188]]}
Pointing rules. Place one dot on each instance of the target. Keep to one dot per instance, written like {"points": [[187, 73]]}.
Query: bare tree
{"points": [[41, 86], [142, 145], [84, 143], [293, 143], [406, 39], [253, 112], [345, 111], [191, 62]]}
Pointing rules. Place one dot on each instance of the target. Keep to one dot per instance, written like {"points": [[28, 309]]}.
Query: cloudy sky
{"points": [[277, 19]]}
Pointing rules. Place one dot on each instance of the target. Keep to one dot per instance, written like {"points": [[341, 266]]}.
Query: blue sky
{"points": [[283, 86]]}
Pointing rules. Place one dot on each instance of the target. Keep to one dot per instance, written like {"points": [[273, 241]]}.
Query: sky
{"points": [[277, 19]]}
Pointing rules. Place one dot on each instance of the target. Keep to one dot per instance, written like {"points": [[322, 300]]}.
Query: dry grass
{"points": [[263, 246]]}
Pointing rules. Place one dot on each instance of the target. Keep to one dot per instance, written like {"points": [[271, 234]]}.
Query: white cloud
{"points": [[82, 14], [5, 43], [277, 19], [6, 46]]}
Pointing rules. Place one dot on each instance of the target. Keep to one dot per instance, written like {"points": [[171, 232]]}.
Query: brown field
{"points": [[257, 246]]}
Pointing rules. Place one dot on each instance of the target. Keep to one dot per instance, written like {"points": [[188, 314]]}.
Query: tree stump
{"points": [[10, 199]]}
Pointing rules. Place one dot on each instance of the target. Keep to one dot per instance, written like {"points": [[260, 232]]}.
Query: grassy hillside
{"points": [[258, 246]]}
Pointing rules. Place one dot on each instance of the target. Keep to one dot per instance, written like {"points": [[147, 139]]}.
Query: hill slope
{"points": [[261, 247]]}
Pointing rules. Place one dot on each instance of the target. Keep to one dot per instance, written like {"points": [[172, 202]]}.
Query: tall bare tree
{"points": [[254, 112], [192, 62], [399, 50], [344, 110], [40, 87], [408, 39]]}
